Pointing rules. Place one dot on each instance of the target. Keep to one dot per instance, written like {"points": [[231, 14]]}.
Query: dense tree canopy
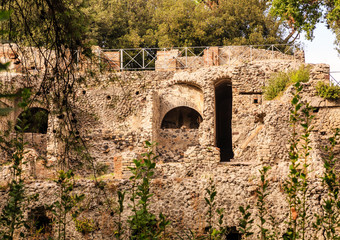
{"points": [[45, 23], [166, 23], [302, 15]]}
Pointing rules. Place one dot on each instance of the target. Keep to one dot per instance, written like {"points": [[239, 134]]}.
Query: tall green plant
{"points": [[246, 222], [296, 186], [214, 233], [119, 233], [143, 223], [261, 202], [328, 221], [66, 206], [12, 220], [4, 16]]}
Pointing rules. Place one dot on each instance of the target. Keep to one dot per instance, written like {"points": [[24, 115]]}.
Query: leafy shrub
{"points": [[299, 75], [281, 80], [329, 92], [276, 84], [84, 225]]}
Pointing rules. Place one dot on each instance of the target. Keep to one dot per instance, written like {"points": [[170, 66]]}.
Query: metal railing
{"points": [[140, 59], [191, 57], [333, 80]]}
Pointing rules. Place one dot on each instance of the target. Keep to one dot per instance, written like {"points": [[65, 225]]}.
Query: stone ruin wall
{"points": [[119, 111]]}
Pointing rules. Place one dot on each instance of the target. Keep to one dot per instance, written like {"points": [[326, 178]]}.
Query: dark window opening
{"points": [[234, 234], [256, 100], [33, 120], [223, 98], [315, 110], [182, 116], [39, 221]]}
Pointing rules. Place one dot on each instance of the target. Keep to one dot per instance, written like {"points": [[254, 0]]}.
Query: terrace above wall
{"points": [[172, 59], [166, 59]]}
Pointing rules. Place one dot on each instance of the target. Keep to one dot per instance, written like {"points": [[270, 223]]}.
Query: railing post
{"points": [[272, 51], [143, 51], [186, 57], [121, 59]]}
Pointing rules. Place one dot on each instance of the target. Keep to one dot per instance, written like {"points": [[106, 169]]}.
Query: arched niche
{"points": [[223, 117], [180, 94], [33, 120], [182, 117]]}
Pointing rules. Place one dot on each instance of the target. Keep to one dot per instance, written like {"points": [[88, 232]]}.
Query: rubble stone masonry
{"points": [[121, 110]]}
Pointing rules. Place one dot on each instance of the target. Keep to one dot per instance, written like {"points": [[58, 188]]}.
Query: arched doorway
{"points": [[223, 108]]}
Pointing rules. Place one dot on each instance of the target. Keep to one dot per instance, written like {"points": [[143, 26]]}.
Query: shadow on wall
{"points": [[33, 120]]}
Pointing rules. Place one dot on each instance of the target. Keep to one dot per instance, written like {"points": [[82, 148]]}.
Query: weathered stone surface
{"points": [[118, 112]]}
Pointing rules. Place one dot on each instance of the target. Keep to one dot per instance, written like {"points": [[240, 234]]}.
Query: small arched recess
{"points": [[33, 120], [182, 117]]}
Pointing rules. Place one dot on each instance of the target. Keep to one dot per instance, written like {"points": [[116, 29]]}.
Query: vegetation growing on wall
{"points": [[279, 82], [329, 92], [58, 31]]}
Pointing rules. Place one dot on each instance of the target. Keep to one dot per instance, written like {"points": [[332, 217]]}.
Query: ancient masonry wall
{"points": [[120, 111]]}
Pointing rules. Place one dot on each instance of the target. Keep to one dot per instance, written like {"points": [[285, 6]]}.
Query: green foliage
{"points": [[329, 92], [119, 233], [84, 225], [328, 221], [214, 233], [276, 85], [261, 202], [66, 205], [4, 16], [303, 15], [51, 24], [36, 120], [143, 223], [246, 222], [296, 186], [12, 219], [281, 80], [168, 23]]}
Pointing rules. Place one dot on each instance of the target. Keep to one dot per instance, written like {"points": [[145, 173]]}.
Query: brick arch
{"points": [[186, 82], [180, 94], [219, 81]]}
